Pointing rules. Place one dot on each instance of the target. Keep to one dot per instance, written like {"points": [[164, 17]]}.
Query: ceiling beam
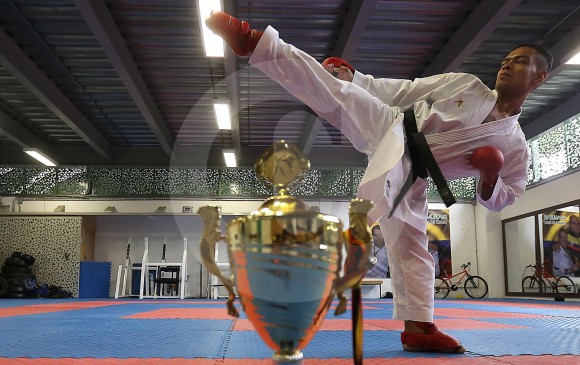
{"points": [[354, 26], [309, 133], [13, 58], [552, 118], [231, 72], [20, 135], [201, 157], [105, 30], [563, 50], [480, 23]]}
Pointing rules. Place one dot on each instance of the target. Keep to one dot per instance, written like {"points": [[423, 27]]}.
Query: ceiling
{"points": [[125, 83]]}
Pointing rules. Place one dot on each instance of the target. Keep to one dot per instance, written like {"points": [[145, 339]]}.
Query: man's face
{"points": [[519, 72], [378, 237], [562, 237], [575, 225]]}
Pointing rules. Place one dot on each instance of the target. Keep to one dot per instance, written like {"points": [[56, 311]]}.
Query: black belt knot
{"points": [[423, 163]]}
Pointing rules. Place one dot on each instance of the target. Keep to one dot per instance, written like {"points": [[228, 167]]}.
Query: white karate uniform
{"points": [[435, 255], [561, 262], [449, 110], [381, 268]]}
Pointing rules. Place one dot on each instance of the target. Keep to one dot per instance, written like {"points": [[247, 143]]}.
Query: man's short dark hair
{"points": [[545, 56]]}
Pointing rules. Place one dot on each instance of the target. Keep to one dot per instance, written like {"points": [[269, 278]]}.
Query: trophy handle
{"points": [[357, 239], [210, 237]]}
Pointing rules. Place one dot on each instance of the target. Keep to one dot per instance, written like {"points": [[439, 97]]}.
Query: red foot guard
{"points": [[236, 33], [433, 341]]}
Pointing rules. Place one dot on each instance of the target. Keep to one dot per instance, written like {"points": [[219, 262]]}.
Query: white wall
{"points": [[113, 234], [489, 231], [114, 230], [559, 191], [464, 244], [520, 248]]}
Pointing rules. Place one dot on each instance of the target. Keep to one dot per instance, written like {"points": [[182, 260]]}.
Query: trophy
{"points": [[286, 260]]}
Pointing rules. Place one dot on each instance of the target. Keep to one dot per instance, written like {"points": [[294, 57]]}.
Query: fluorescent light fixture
{"points": [[40, 156], [222, 114], [574, 60], [212, 44], [230, 158]]}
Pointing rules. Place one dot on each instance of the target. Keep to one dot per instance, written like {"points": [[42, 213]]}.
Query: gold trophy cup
{"points": [[286, 260]]}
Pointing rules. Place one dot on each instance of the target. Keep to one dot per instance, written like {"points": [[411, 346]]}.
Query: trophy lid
{"points": [[281, 164]]}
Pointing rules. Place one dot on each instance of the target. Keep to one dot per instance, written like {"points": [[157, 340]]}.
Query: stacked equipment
{"points": [[17, 278]]}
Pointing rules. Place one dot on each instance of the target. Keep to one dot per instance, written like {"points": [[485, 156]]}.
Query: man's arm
{"points": [[510, 183], [399, 92], [486, 190], [405, 93]]}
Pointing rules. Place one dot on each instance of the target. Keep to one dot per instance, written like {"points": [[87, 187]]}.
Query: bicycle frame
{"points": [[546, 281], [455, 285], [474, 286]]}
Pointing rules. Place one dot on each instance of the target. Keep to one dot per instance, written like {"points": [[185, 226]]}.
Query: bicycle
{"points": [[542, 278], [474, 286]]}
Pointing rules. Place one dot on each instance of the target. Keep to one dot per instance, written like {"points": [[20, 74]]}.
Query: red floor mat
{"points": [[391, 324], [192, 313], [56, 307], [185, 313], [459, 360], [471, 313], [547, 305]]}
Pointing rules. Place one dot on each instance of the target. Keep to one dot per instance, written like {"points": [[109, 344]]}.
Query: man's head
{"points": [[433, 246], [377, 236], [575, 225], [523, 70], [562, 236]]}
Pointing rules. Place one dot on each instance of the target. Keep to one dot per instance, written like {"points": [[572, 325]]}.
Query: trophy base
{"points": [[296, 358]]}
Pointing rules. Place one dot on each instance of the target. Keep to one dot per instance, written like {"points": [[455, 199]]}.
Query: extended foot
{"points": [[236, 33], [425, 337]]}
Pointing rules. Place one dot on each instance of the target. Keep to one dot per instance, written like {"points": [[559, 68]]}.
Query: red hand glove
{"points": [[488, 160], [337, 62]]}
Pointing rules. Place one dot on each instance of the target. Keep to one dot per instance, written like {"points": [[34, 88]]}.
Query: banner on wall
{"points": [[439, 246], [440, 241], [379, 261], [561, 243]]}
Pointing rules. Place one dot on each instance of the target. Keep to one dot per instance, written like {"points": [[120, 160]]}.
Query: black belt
{"points": [[422, 161]]}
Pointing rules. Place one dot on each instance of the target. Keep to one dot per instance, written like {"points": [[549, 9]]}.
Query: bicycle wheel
{"points": [[565, 285], [475, 287], [441, 288], [531, 284]]}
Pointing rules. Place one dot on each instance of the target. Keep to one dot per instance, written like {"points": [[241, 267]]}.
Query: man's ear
{"points": [[541, 76]]}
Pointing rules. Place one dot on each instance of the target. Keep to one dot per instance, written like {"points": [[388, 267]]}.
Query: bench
{"points": [[370, 281]]}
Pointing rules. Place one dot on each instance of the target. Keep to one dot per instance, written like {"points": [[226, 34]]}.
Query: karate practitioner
{"points": [[562, 263], [379, 257], [574, 242], [433, 249], [460, 118]]}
